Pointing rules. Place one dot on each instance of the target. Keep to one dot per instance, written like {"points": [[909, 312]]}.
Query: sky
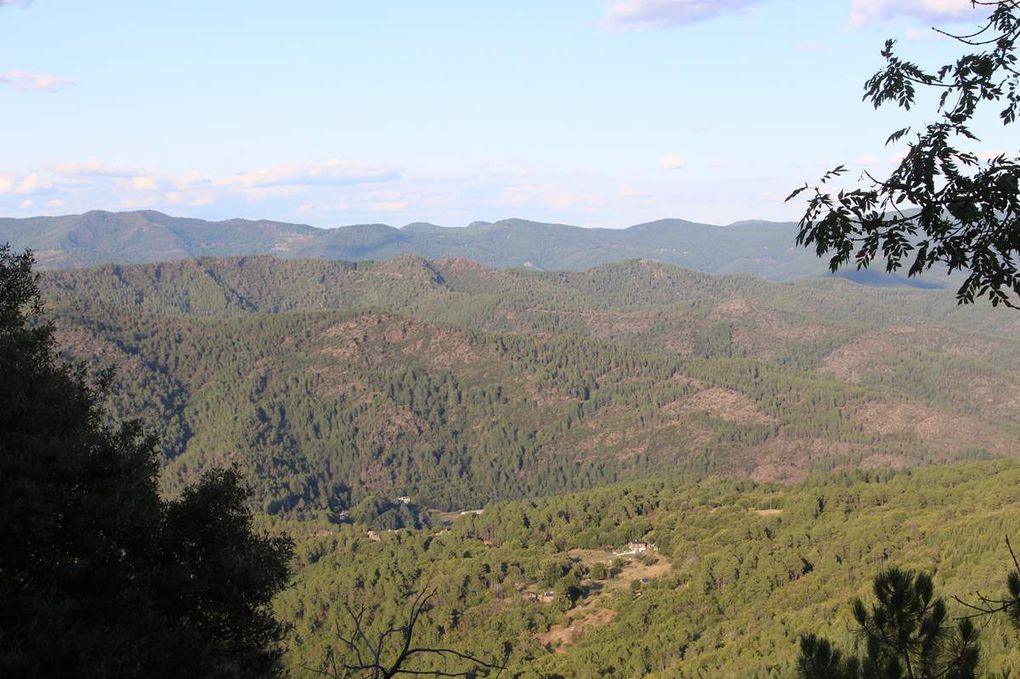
{"points": [[331, 112]]}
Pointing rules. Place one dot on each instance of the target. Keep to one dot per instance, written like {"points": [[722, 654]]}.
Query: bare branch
{"points": [[359, 646]]}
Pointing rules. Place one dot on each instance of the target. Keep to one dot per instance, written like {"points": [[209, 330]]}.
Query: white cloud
{"points": [[190, 198], [329, 173], [863, 12], [505, 169], [92, 168], [33, 82], [554, 196], [54, 204], [25, 184], [391, 206], [201, 199], [144, 183], [33, 183], [671, 162], [262, 194], [624, 14], [25, 204], [265, 192]]}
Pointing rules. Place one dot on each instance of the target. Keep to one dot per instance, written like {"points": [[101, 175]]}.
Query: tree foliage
{"points": [[908, 634], [99, 576], [944, 205], [751, 568]]}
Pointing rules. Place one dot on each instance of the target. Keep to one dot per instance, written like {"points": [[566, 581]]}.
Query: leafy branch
{"points": [[943, 206]]}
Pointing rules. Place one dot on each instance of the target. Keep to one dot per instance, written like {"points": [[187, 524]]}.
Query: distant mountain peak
{"points": [[409, 265], [422, 227], [458, 264]]}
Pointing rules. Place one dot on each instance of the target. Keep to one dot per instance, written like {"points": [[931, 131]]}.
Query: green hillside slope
{"points": [[737, 573], [332, 381]]}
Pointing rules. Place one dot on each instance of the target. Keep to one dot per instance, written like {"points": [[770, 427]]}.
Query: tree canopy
{"points": [[99, 575], [947, 204], [908, 634]]}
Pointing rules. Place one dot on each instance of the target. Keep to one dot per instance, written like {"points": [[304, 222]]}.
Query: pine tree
{"points": [[907, 635]]}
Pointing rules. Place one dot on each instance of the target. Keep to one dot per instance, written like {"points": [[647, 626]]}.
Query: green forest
{"points": [[743, 570], [332, 383], [508, 440]]}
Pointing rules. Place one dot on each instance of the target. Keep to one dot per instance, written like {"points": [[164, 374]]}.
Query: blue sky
{"points": [[330, 112]]}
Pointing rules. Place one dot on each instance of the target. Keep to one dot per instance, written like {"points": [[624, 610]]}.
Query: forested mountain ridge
{"points": [[756, 247], [457, 384]]}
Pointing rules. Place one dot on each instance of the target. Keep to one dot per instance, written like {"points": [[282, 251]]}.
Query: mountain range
{"points": [[761, 248]]}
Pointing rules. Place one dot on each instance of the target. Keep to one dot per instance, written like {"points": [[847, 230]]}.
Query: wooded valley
{"points": [[774, 443]]}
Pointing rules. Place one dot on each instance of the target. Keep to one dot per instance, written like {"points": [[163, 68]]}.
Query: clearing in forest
{"points": [[594, 610]]}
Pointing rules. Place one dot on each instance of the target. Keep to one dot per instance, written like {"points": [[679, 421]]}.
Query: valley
{"points": [[460, 385]]}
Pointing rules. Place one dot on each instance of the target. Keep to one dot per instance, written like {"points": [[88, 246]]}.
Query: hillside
{"points": [[738, 571], [459, 385], [755, 247]]}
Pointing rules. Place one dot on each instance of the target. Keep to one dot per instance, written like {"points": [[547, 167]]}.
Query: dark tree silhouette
{"points": [[943, 206], [907, 635], [394, 652], [99, 576]]}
